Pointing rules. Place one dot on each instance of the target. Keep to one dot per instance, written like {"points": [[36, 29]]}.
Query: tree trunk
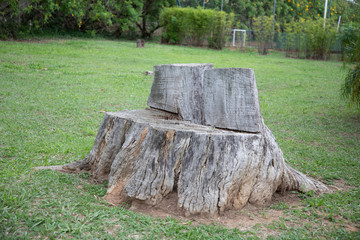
{"points": [[206, 141]]}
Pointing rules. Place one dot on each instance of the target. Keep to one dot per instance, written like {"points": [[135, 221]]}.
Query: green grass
{"points": [[52, 94]]}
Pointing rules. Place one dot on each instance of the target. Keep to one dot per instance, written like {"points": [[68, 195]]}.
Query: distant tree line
{"points": [[245, 11], [112, 17], [132, 18], [289, 10]]}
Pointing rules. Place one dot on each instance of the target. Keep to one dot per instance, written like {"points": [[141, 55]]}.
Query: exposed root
{"points": [[295, 180]]}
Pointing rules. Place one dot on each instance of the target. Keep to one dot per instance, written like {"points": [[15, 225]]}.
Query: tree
{"points": [[150, 14]]}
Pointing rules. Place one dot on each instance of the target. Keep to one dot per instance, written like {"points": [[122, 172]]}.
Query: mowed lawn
{"points": [[53, 95]]}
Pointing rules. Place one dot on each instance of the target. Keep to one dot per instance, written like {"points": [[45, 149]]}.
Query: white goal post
{"points": [[243, 35]]}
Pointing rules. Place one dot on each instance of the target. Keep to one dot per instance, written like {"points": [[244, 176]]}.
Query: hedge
{"points": [[195, 27]]}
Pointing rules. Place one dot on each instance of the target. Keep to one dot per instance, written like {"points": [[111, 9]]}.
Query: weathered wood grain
{"points": [[178, 88], [231, 99], [204, 138], [144, 155]]}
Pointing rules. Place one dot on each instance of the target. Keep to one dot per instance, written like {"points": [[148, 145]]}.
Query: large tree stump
{"points": [[222, 156]]}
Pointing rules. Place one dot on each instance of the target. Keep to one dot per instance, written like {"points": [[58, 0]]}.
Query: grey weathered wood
{"points": [[140, 43], [204, 138], [178, 88], [147, 154], [224, 98], [231, 99]]}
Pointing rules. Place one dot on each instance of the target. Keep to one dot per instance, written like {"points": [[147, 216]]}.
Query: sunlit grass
{"points": [[53, 93]]}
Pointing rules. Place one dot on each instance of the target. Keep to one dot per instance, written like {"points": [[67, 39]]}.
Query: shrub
{"points": [[265, 29], [309, 38], [108, 16], [347, 36], [293, 38], [319, 39], [219, 27], [9, 18], [195, 26], [172, 20], [351, 86]]}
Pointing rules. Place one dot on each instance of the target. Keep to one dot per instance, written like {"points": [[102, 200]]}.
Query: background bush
{"points": [[141, 17], [246, 11], [347, 36], [196, 27], [319, 39], [309, 38], [265, 28], [114, 17], [351, 43], [294, 38]]}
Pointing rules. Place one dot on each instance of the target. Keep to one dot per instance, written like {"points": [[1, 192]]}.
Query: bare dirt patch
{"points": [[34, 40], [58, 168], [340, 185], [31, 40], [244, 219], [250, 218], [350, 135]]}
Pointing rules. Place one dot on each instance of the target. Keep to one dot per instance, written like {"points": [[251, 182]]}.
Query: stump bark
{"points": [[140, 43], [206, 141]]}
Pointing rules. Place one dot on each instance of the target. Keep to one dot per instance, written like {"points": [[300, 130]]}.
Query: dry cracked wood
{"points": [[204, 139], [231, 99], [178, 88], [224, 97], [147, 154]]}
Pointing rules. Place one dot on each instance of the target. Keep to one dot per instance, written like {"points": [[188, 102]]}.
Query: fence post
{"points": [[234, 33]]}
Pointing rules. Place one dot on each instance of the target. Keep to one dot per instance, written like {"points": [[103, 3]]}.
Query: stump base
{"points": [[147, 154]]}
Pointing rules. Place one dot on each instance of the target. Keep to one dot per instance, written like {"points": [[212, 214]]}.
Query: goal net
{"points": [[239, 37]]}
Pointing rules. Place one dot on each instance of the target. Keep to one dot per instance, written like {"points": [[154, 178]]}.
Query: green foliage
{"points": [[8, 18], [288, 10], [265, 28], [141, 17], [347, 36], [309, 38], [172, 20], [351, 87], [319, 39], [294, 37], [150, 16], [86, 15], [220, 26], [115, 17], [51, 117], [194, 26]]}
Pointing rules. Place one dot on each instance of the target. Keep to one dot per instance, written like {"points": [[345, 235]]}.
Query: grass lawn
{"points": [[52, 97]]}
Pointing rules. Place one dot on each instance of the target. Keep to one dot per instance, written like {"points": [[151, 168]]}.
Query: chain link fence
{"points": [[242, 39]]}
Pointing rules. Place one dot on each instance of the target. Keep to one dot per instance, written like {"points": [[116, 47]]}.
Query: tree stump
{"points": [[203, 138], [140, 43]]}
